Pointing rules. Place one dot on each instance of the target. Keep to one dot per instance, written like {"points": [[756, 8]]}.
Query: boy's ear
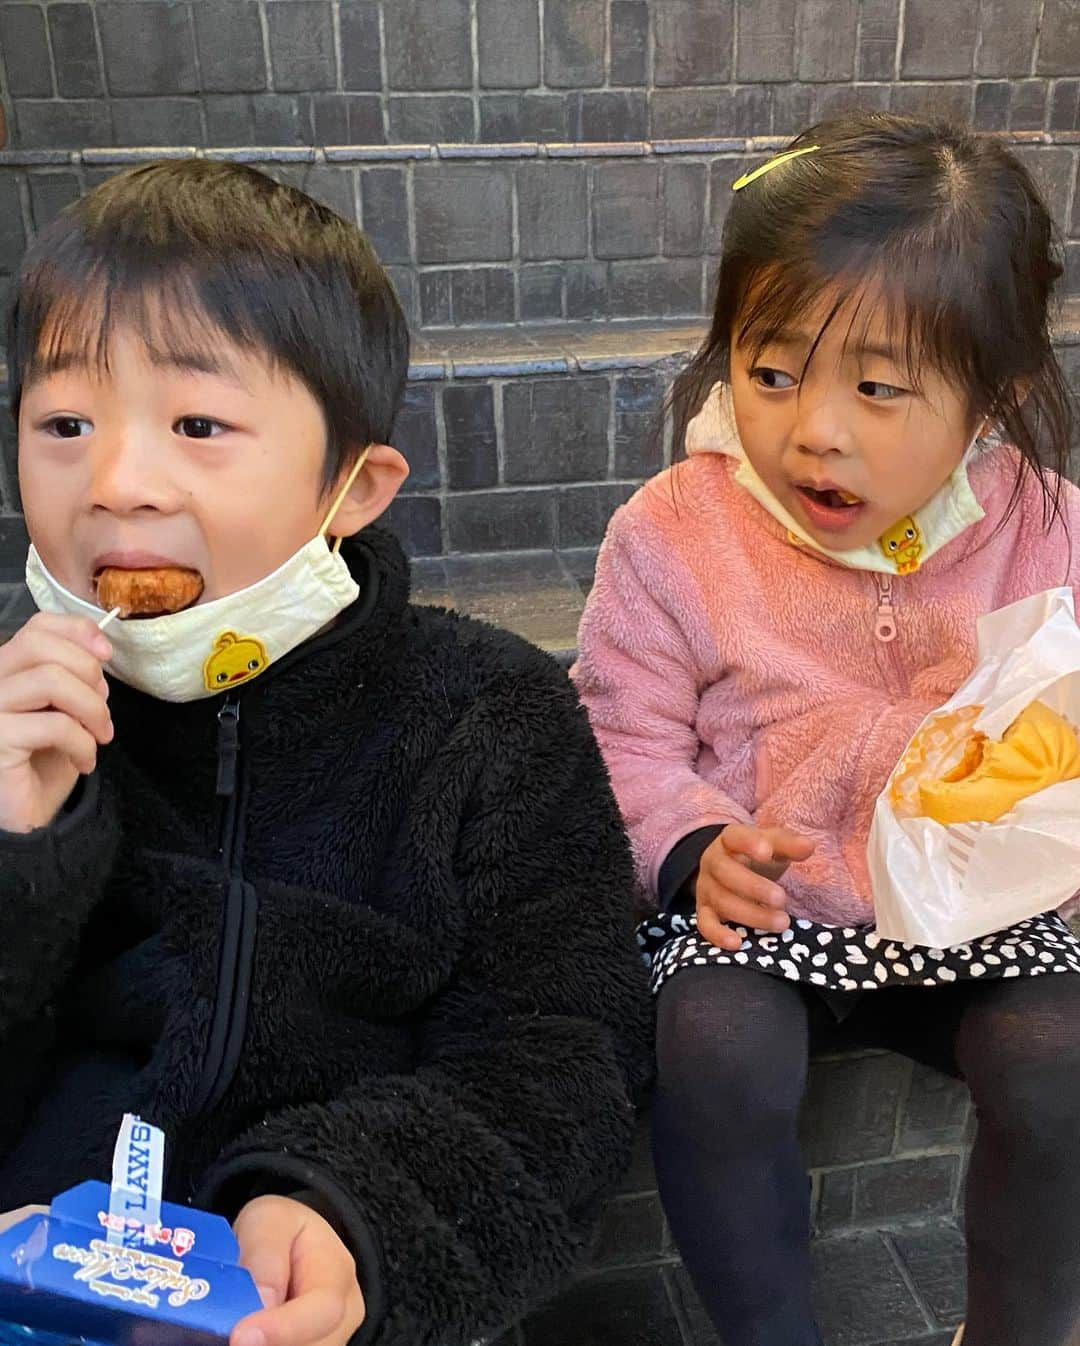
{"points": [[370, 495]]}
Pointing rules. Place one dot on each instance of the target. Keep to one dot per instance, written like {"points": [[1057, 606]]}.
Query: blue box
{"points": [[80, 1274]]}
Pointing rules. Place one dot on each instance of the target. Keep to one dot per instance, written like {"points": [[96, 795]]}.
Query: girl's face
{"points": [[847, 446]]}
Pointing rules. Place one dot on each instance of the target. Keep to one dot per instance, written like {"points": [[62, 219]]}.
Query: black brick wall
{"points": [[495, 235], [214, 72]]}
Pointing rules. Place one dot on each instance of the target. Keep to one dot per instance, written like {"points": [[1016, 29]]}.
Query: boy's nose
{"points": [[123, 479]]}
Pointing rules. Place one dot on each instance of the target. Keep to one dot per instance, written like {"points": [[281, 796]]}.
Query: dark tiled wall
{"points": [[293, 72], [525, 463], [529, 239]]}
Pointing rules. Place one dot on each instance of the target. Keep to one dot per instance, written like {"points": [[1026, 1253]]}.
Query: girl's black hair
{"points": [[182, 248], [943, 227]]}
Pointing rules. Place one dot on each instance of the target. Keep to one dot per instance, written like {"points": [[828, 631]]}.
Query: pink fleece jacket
{"points": [[730, 676]]}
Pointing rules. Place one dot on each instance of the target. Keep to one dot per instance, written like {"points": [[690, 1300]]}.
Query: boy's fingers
{"points": [[38, 732], [321, 1260], [266, 1249], [44, 648], [56, 688], [303, 1321], [12, 1217], [74, 630]]}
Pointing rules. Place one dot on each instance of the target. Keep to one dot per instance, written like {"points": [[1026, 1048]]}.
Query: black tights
{"points": [[733, 1046]]}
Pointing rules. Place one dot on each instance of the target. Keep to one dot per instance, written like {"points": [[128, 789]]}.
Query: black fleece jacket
{"points": [[360, 931]]}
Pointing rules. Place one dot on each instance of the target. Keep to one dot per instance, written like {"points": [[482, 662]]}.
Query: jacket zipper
{"points": [[886, 627], [229, 1022]]}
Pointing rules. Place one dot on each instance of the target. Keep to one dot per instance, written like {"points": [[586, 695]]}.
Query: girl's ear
{"points": [[370, 495], [1021, 388]]}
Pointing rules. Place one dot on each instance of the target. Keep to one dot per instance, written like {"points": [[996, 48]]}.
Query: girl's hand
{"points": [[54, 714], [305, 1274], [736, 881]]}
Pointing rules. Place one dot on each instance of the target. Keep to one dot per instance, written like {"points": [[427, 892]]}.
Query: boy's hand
{"points": [[736, 881], [305, 1274], [53, 715], [10, 1217]]}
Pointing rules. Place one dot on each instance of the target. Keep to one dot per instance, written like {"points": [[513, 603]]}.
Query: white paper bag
{"points": [[941, 886]]}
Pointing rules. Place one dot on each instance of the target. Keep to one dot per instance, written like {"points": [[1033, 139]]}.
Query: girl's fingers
{"points": [[727, 872], [713, 929], [736, 910], [752, 842], [790, 845], [54, 687]]}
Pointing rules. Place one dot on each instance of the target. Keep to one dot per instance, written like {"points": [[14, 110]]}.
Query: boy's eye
{"points": [[68, 427], [878, 391], [198, 427], [772, 378]]}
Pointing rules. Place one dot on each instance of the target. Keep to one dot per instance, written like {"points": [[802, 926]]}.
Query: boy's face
{"points": [[217, 469]]}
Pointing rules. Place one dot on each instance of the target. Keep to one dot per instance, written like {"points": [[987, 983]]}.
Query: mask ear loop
{"points": [[339, 499]]}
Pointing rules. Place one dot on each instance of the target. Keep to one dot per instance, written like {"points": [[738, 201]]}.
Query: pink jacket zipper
{"points": [[885, 630]]}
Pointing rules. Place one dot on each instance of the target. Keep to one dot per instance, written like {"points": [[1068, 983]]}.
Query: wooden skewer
{"points": [[108, 619]]}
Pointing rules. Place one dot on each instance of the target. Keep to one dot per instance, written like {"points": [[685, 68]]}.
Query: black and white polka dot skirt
{"points": [[847, 958]]}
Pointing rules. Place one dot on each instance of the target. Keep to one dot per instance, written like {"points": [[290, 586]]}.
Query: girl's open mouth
{"points": [[831, 510]]}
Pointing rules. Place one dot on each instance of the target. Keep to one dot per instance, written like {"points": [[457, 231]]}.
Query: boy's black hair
{"points": [[172, 247], [943, 228]]}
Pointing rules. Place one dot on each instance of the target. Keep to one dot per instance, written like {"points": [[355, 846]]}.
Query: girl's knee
{"points": [[1034, 1104], [727, 1055], [1022, 1063]]}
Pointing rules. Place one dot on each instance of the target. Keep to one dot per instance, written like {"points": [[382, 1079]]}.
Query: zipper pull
{"points": [[885, 629], [228, 747]]}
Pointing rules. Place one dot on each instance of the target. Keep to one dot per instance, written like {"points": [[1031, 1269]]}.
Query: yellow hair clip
{"points": [[748, 178]]}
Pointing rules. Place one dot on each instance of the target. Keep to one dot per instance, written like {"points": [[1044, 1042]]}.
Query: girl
{"points": [[874, 429]]}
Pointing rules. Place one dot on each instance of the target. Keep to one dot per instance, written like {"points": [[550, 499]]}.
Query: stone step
{"points": [[538, 595], [872, 1288], [525, 232]]}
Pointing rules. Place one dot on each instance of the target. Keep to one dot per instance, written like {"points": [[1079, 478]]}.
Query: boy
{"points": [[351, 930]]}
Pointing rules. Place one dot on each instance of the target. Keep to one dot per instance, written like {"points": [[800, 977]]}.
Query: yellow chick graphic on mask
{"points": [[234, 659], [903, 544]]}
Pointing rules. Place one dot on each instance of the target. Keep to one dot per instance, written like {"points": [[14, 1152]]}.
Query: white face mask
{"points": [[899, 551], [216, 646]]}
